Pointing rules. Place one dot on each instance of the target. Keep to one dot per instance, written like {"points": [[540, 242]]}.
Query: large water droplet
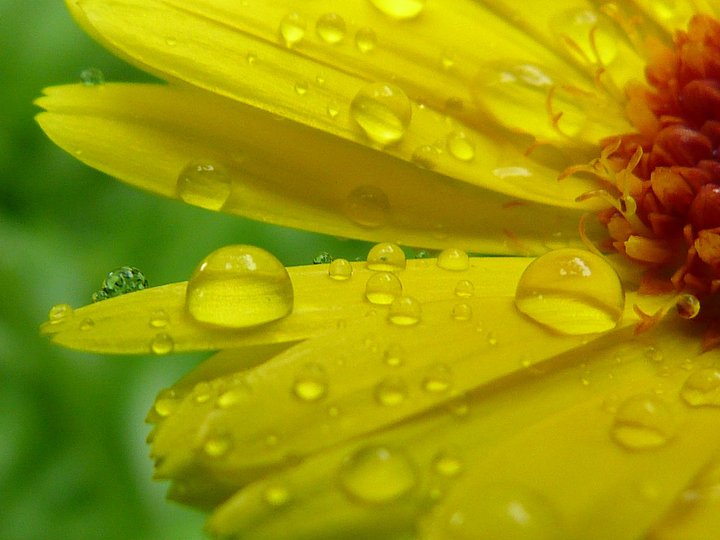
{"points": [[572, 292], [386, 257], [464, 288], [405, 311], [702, 387], [438, 379], [377, 475], [383, 111], [60, 313], [292, 29], [643, 422], [162, 344], [159, 319], [461, 146], [453, 259], [367, 206], [462, 312], [383, 288], [391, 391], [206, 184], [331, 28], [400, 9], [310, 383], [238, 286], [340, 269], [123, 280], [365, 40]]}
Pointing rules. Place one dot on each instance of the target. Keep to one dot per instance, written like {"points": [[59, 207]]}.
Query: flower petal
{"points": [[288, 174]]}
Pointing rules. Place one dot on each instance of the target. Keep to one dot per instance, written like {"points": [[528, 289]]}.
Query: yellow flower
{"points": [[448, 398]]}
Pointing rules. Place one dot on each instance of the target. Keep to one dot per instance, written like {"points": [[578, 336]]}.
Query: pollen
{"points": [[663, 180]]}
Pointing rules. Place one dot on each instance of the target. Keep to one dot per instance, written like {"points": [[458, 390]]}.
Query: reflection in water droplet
{"points": [[123, 280], [377, 475], [572, 292], [688, 306], [217, 446], [653, 354], [464, 289], [643, 422], [331, 28], [161, 344], [159, 319], [383, 288], [400, 9], [322, 258], [367, 206], [460, 146], [383, 111], [292, 29], [238, 286], [587, 34], [206, 184], [386, 257], [340, 269], [311, 383], [453, 259], [92, 77], [276, 495], [365, 40], [405, 311], [702, 387], [391, 391], [59, 313], [438, 379], [462, 312]]}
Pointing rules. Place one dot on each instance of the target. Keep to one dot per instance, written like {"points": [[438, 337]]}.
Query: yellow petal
{"points": [[291, 175]]}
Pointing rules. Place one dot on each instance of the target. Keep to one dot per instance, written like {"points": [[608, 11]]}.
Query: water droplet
{"points": [[462, 312], [365, 40], [276, 495], [123, 280], [165, 406], [383, 111], [340, 269], [587, 35], [201, 392], [702, 387], [464, 289], [87, 324], [272, 440], [367, 206], [572, 292], [643, 422], [159, 319], [161, 344], [292, 29], [377, 475], [251, 58], [387, 257], [323, 258], [461, 146], [453, 259], [60, 313], [383, 288], [333, 109], [92, 77], [217, 446], [427, 156], [171, 42], [438, 379], [206, 184], [230, 398], [405, 311], [391, 391], [653, 354], [400, 9], [447, 464], [492, 339], [331, 28], [394, 355], [239, 286], [301, 88], [311, 383], [688, 306]]}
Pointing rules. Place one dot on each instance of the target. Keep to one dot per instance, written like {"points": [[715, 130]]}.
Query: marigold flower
{"points": [[569, 390]]}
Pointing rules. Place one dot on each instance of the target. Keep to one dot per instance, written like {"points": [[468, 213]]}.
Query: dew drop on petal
{"points": [[229, 398], [447, 464], [161, 344], [164, 406], [276, 495], [383, 111], [365, 40], [391, 391], [340, 269], [331, 28], [310, 383], [460, 146], [405, 311], [301, 88], [399, 9], [322, 258], [217, 446], [92, 77], [86, 324], [394, 356], [123, 280], [60, 313], [206, 184], [367, 206], [239, 286], [643, 422], [438, 379], [159, 319], [377, 475], [702, 388], [426, 156], [571, 291], [382, 288], [464, 289], [453, 259], [688, 306], [292, 29], [462, 312], [387, 257]]}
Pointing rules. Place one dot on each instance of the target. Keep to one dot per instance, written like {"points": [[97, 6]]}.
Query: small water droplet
{"points": [[239, 286], [159, 319], [453, 259], [464, 289], [323, 258], [461, 146], [311, 383], [427, 156], [387, 257], [276, 495], [643, 422], [653, 354], [383, 288], [165, 406], [447, 464], [462, 312], [448, 59], [60, 313], [201, 392], [171, 42], [405, 311], [331, 28], [383, 111], [688, 306], [301, 88], [572, 292], [123, 280], [492, 339], [217, 446], [272, 440], [340, 269], [377, 475], [368, 206], [438, 379], [333, 411], [365, 40], [333, 109], [391, 391], [702, 387], [251, 58], [292, 29], [206, 184], [161, 344], [400, 9], [394, 355], [87, 324], [92, 77]]}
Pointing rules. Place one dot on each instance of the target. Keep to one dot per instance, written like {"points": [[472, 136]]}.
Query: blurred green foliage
{"points": [[72, 452]]}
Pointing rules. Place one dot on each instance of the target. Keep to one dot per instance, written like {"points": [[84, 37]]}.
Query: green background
{"points": [[73, 459]]}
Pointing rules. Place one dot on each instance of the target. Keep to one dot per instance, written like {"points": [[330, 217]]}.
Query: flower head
{"points": [[553, 393]]}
